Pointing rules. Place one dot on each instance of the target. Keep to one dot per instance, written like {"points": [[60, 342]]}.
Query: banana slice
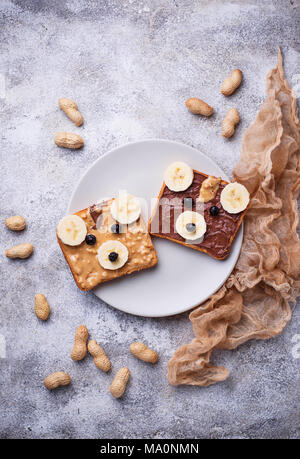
{"points": [[112, 255], [125, 209], [71, 230], [179, 176], [234, 198], [190, 225]]}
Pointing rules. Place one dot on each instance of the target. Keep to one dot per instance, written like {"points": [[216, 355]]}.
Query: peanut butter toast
{"points": [[99, 248]]}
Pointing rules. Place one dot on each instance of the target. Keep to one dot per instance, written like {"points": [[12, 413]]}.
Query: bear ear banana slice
{"points": [[190, 225], [234, 198], [125, 209], [179, 176], [71, 230], [112, 255]]}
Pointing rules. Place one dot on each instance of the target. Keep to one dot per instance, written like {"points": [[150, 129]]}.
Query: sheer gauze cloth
{"points": [[255, 300]]}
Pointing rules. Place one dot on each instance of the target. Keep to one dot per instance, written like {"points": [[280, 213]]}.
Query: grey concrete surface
{"points": [[130, 65]]}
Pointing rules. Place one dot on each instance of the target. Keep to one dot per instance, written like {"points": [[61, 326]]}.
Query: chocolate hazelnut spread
{"points": [[221, 228]]}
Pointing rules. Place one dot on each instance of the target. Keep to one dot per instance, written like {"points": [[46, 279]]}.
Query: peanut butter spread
{"points": [[83, 260], [209, 189]]}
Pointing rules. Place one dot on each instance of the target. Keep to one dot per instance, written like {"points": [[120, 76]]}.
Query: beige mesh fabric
{"points": [[254, 301]]}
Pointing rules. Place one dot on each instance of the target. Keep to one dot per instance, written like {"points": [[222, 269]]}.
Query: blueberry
{"points": [[190, 227], [90, 239], [214, 210], [113, 256], [115, 228], [188, 202]]}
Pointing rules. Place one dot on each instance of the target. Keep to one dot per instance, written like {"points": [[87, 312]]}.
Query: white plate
{"points": [[183, 278]]}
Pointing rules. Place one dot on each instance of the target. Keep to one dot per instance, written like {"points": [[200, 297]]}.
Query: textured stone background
{"points": [[130, 65]]}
